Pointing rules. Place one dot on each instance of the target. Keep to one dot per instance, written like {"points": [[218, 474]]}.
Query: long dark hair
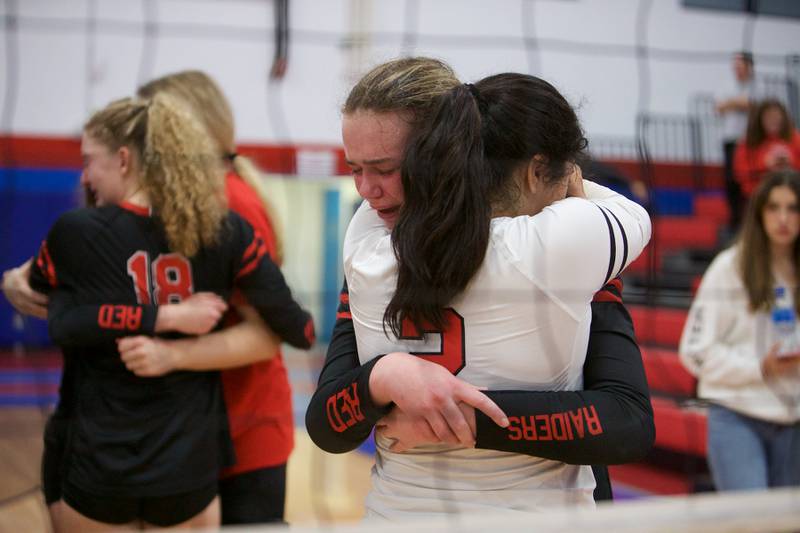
{"points": [[755, 259], [458, 166]]}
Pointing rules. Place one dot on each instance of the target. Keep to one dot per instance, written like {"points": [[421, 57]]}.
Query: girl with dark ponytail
{"points": [[417, 399], [444, 216], [497, 249], [463, 166]]}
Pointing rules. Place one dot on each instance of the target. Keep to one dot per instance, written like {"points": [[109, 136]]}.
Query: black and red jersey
{"points": [[106, 271]]}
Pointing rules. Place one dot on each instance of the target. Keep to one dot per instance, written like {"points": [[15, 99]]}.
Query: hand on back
{"points": [[17, 290]]}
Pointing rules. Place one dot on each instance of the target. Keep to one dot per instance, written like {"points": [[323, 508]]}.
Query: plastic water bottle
{"points": [[784, 322]]}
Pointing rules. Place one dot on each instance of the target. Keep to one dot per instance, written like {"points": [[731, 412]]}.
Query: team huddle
{"points": [[480, 334]]}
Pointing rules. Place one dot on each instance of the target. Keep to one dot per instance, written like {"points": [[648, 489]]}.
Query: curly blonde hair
{"points": [[204, 97], [178, 166]]}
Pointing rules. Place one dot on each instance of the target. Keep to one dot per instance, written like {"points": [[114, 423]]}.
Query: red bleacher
{"points": [[712, 206], [665, 174], [674, 232], [665, 372], [642, 263], [666, 375], [662, 326], [681, 427], [649, 480]]}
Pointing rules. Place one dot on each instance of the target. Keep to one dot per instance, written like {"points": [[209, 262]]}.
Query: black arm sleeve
{"points": [[83, 325], [610, 422], [265, 288], [341, 413]]}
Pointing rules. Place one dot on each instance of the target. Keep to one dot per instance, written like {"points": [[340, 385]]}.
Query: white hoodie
{"points": [[723, 344]]}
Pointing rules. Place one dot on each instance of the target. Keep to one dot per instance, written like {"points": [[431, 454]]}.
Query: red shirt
{"points": [[750, 164], [257, 396]]}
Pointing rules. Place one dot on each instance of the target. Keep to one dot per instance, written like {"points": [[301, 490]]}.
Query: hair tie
{"points": [[473, 91], [231, 156], [476, 95]]}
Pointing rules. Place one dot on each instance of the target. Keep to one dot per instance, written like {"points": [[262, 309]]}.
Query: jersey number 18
{"points": [[168, 280]]}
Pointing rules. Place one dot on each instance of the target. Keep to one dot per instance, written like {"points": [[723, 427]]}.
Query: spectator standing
{"points": [[734, 110]]}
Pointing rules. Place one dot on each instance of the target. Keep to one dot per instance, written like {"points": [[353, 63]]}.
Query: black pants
{"points": [[732, 189], [254, 497]]}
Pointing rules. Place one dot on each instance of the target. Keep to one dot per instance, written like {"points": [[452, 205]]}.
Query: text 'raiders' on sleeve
{"points": [[263, 284], [611, 422]]}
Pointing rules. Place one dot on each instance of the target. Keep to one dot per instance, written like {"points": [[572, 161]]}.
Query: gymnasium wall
{"points": [[62, 59]]}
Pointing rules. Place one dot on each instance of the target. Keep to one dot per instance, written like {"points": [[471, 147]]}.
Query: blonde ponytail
{"points": [[179, 169], [182, 176], [207, 102]]}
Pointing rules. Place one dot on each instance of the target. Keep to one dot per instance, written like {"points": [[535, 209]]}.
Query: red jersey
{"points": [[751, 163], [257, 396]]}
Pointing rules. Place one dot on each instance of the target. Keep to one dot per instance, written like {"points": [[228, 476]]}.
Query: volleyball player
{"points": [[146, 451], [342, 411], [255, 383]]}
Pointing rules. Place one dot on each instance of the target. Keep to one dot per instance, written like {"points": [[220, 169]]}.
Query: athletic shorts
{"points": [[254, 497], [55, 442], [162, 511]]}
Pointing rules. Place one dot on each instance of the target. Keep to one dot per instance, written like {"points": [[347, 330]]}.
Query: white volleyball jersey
{"points": [[522, 324]]}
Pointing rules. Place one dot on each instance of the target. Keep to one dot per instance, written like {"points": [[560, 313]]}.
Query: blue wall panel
{"points": [[30, 202], [673, 202]]}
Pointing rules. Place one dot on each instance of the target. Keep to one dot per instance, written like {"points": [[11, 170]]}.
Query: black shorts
{"points": [[254, 497], [162, 511], [55, 442]]}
